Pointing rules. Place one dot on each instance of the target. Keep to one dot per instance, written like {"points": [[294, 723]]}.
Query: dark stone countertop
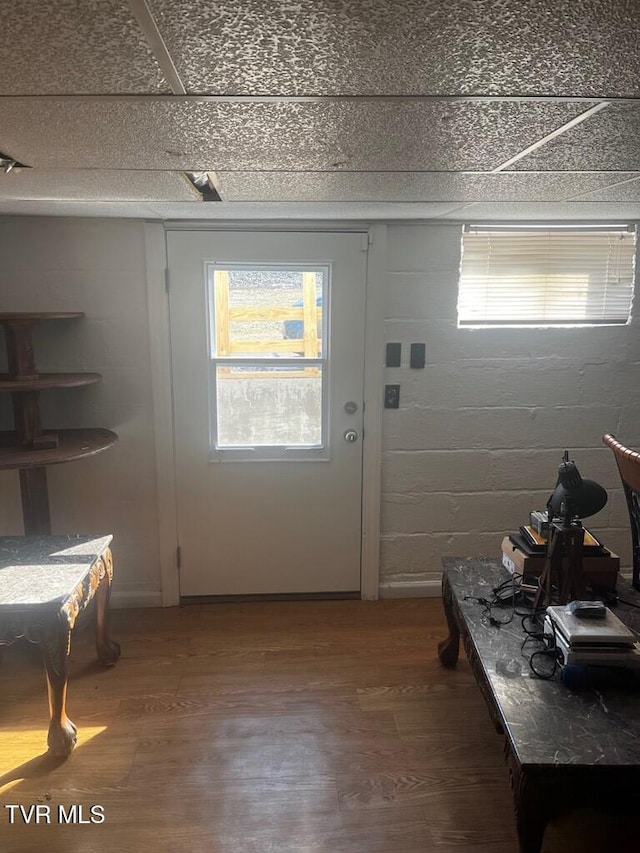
{"points": [[547, 723]]}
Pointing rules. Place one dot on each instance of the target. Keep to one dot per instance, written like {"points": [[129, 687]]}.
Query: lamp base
{"points": [[563, 566]]}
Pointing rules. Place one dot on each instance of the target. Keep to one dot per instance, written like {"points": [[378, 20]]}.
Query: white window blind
{"points": [[546, 276]]}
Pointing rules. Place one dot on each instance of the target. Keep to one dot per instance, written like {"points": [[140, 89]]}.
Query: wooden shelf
{"points": [[46, 381], [29, 448], [72, 444]]}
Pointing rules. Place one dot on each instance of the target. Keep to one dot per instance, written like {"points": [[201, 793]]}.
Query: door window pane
{"points": [[267, 333], [266, 312], [269, 407]]}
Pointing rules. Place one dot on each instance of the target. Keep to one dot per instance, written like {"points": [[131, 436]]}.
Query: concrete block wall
{"points": [[95, 266], [473, 447], [480, 431]]}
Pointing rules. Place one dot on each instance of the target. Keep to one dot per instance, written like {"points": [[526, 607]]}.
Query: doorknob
{"points": [[351, 435]]}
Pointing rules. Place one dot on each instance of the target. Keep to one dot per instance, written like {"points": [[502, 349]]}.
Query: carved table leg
{"points": [[108, 650], [55, 649], [449, 649]]}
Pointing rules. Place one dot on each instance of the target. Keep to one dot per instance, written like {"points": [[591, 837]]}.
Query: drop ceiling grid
{"points": [[75, 47], [581, 211], [356, 47], [360, 152], [607, 141], [622, 192]]}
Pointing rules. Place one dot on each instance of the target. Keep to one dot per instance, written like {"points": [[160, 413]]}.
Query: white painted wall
{"points": [[95, 266], [480, 431], [474, 446]]}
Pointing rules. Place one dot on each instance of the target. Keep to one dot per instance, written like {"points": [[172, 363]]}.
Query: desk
{"points": [[45, 581], [563, 750]]}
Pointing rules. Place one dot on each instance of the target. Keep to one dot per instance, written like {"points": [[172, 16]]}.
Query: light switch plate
{"points": [[394, 355]]}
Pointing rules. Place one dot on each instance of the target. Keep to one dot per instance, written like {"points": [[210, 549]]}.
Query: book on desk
{"points": [[524, 552]]}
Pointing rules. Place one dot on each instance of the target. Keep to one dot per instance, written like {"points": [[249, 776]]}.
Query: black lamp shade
{"points": [[581, 501]]}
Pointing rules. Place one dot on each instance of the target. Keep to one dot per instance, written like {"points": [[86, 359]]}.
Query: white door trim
{"points": [[161, 388], [160, 352], [373, 397]]}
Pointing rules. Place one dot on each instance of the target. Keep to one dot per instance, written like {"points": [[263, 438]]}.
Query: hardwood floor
{"points": [[267, 728]]}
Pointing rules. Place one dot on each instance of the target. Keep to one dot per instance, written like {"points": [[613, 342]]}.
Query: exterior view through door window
{"points": [[268, 360]]}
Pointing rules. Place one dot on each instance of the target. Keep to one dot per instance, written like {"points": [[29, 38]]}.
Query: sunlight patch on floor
{"points": [[20, 746]]}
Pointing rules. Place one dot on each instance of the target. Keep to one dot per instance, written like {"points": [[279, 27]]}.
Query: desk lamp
{"points": [[572, 500]]}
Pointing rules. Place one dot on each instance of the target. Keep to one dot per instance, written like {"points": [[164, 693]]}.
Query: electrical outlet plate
{"points": [[392, 396]]}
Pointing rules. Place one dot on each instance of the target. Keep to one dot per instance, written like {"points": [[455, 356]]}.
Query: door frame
{"points": [[161, 383]]}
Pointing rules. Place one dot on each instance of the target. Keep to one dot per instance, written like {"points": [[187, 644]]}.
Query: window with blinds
{"points": [[546, 276]]}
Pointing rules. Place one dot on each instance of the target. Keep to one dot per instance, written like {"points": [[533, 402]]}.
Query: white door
{"points": [[267, 338]]}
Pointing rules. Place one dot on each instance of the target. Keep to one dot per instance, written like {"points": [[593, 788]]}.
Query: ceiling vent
{"points": [[205, 183], [8, 164]]}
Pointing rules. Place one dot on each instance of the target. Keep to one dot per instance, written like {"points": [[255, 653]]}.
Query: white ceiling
{"points": [[321, 109]]}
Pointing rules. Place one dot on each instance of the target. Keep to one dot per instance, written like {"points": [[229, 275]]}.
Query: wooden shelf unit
{"points": [[29, 448]]}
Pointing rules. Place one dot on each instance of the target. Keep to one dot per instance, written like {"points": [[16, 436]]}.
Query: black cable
{"points": [[629, 603], [547, 653], [550, 652], [486, 613], [498, 600]]}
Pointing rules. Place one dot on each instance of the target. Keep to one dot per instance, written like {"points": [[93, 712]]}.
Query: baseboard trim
{"points": [[123, 598], [275, 596], [411, 589]]}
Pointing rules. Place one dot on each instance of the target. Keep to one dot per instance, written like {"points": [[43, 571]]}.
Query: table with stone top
{"points": [[564, 749], [45, 581]]}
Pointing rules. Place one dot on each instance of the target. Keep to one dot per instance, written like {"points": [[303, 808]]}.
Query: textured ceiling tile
{"points": [[96, 186], [547, 211], [350, 135], [607, 141], [406, 186], [74, 47], [331, 212], [536, 47], [108, 209], [622, 192]]}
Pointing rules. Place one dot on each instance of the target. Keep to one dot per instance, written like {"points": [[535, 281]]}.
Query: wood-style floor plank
{"points": [[279, 727]]}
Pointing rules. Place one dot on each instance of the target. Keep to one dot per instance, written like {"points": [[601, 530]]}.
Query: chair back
{"points": [[628, 462]]}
